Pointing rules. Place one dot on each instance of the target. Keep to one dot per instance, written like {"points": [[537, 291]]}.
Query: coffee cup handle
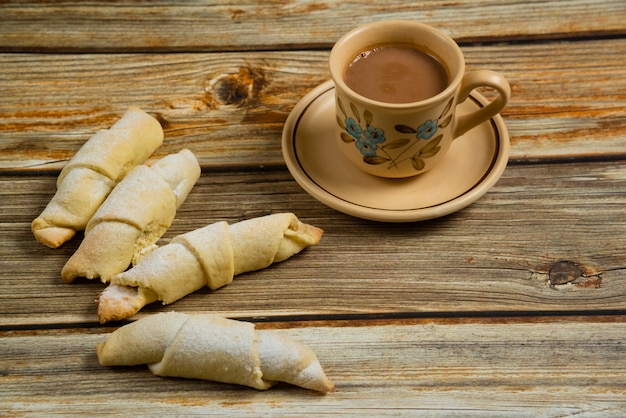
{"points": [[481, 78]]}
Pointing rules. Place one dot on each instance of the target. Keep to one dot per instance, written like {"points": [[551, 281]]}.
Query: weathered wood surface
{"points": [[285, 24], [494, 256], [473, 368], [230, 108], [512, 306]]}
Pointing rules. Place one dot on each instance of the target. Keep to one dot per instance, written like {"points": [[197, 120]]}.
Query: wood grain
{"points": [[230, 109], [536, 216], [559, 367], [249, 25], [514, 306]]}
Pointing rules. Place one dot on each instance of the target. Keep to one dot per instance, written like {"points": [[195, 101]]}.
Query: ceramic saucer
{"points": [[472, 166]]}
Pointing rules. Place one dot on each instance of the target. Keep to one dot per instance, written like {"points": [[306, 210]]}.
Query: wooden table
{"points": [[514, 305]]}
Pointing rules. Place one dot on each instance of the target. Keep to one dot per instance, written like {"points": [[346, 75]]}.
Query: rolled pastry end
{"points": [[302, 367], [120, 302], [314, 378], [297, 236], [312, 233], [52, 236]]}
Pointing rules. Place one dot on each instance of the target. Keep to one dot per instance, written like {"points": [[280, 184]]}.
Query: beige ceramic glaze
{"points": [[405, 139], [472, 166]]}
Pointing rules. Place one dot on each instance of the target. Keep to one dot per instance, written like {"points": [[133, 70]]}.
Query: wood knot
{"points": [[238, 89], [563, 272]]}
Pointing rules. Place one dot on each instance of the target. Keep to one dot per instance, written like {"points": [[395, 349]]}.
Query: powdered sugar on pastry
{"points": [[135, 215], [213, 348], [210, 256], [93, 172]]}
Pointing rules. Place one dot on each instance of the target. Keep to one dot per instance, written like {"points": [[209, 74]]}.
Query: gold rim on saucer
{"points": [[472, 166]]}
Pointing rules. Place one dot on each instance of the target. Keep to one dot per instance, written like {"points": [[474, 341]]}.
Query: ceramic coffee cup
{"points": [[393, 139]]}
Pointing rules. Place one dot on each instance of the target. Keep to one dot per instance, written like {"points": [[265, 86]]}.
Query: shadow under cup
{"points": [[395, 139]]}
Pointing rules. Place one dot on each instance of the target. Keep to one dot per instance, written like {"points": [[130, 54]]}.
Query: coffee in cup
{"points": [[397, 85], [396, 74]]}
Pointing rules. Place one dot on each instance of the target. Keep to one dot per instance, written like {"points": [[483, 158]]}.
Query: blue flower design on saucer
{"points": [[373, 143]]}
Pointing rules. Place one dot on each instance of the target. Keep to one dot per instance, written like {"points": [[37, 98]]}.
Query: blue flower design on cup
{"points": [[373, 144], [353, 128], [427, 129], [366, 140]]}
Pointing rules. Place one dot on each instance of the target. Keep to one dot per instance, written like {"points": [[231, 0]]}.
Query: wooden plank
{"points": [[230, 109], [250, 25], [494, 256], [560, 367]]}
